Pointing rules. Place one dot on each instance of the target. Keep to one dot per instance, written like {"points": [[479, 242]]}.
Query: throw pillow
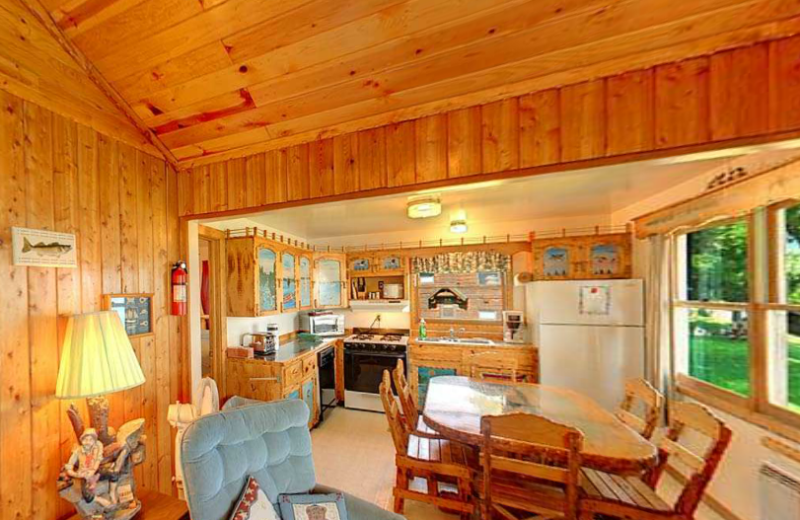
{"points": [[312, 507], [254, 504]]}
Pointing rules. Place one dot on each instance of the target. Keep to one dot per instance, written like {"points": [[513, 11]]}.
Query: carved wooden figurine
{"points": [[97, 478]]}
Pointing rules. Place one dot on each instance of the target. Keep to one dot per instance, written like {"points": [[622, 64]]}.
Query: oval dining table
{"points": [[454, 406]]}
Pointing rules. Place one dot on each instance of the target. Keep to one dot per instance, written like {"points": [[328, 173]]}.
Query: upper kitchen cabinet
{"points": [[582, 257], [330, 280], [306, 286], [360, 264], [289, 281], [375, 264], [390, 264], [253, 273]]}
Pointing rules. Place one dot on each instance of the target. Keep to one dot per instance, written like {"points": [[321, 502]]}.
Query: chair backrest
{"points": [[269, 441], [533, 447], [392, 410], [640, 393], [406, 398], [492, 366], [693, 446]]}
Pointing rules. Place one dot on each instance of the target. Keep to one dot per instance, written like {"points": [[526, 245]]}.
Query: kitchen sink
{"points": [[457, 341]]}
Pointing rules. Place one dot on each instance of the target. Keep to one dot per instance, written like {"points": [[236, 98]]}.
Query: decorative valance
{"points": [[733, 200], [461, 262]]}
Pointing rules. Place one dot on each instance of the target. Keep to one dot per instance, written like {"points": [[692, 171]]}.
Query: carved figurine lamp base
{"points": [[98, 359]]}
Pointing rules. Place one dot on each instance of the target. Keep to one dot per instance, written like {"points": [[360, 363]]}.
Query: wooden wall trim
{"points": [[122, 205], [664, 110]]}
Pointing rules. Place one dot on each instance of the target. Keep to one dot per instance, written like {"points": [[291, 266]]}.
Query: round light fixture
{"points": [[458, 226], [424, 207]]}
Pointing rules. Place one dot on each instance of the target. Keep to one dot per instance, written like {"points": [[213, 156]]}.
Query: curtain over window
{"points": [[462, 262]]}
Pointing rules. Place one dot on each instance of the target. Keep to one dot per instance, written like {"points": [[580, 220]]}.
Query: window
{"points": [[736, 315], [465, 296], [712, 325], [783, 310]]}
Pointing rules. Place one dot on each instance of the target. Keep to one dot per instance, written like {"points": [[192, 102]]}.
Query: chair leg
{"points": [[402, 483]]}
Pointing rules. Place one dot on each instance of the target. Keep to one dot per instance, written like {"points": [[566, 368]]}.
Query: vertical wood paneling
{"points": [[500, 135], [186, 192], [255, 168], [42, 323], [540, 128], [784, 62], [275, 165], [16, 450], [65, 193], [681, 97], [630, 112], [372, 159], [123, 208], [464, 147], [297, 172], [738, 94], [219, 186], [400, 154], [345, 164], [237, 184], [431, 140], [583, 117], [320, 174]]}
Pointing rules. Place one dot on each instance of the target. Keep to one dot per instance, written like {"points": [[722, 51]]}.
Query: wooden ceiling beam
{"points": [[336, 123], [43, 16]]}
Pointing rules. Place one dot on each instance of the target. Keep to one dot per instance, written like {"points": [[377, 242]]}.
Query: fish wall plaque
{"points": [[43, 248]]}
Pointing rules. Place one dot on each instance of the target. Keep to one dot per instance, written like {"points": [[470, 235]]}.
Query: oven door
{"points": [[363, 371]]}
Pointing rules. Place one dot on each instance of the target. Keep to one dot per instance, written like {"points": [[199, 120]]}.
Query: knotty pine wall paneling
{"points": [[122, 204], [737, 94]]}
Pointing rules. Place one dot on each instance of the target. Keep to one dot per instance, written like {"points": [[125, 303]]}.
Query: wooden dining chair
{"points": [[411, 416], [492, 366], [643, 397], [530, 464], [693, 446], [437, 461]]}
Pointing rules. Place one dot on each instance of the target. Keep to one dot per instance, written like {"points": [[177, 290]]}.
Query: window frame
{"points": [[764, 267]]}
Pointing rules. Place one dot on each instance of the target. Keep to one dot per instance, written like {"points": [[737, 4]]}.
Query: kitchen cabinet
{"points": [[306, 286], [360, 264], [330, 280], [389, 264], [267, 277], [272, 380], [426, 361], [582, 257]]}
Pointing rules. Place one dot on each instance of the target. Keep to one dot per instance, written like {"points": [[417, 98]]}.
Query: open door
{"points": [[213, 315]]}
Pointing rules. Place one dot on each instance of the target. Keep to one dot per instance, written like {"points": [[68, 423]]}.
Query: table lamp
{"points": [[98, 359]]}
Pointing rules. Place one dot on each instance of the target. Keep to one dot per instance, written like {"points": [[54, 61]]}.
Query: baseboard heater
{"points": [[779, 494]]}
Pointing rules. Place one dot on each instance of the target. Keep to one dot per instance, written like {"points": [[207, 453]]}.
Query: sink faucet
{"points": [[452, 333]]}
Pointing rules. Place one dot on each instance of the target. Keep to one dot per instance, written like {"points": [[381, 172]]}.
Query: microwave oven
{"points": [[323, 323]]}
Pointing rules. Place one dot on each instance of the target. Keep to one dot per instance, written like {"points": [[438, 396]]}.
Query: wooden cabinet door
{"points": [[421, 376], [558, 259], [360, 264], [305, 282], [288, 281], [309, 394], [389, 264], [330, 281], [291, 392], [267, 274]]}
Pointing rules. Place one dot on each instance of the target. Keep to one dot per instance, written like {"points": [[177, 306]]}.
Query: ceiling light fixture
{"points": [[424, 207], [458, 226]]}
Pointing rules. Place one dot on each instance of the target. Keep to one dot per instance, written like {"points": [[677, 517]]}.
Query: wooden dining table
{"points": [[454, 406]]}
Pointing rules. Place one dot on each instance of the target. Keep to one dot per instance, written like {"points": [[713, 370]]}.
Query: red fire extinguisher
{"points": [[179, 289]]}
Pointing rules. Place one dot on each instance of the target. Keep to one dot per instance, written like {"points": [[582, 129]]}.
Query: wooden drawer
{"points": [[436, 353], [309, 365], [292, 373]]}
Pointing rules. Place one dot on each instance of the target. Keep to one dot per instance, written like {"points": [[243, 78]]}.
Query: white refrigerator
{"points": [[590, 335]]}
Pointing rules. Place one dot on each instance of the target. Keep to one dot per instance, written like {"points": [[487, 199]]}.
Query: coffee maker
{"points": [[513, 330]]}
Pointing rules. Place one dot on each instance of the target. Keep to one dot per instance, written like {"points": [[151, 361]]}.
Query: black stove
{"points": [[367, 354], [377, 340]]}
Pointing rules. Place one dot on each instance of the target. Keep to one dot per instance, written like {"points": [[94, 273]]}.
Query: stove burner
{"points": [[391, 337], [364, 337]]}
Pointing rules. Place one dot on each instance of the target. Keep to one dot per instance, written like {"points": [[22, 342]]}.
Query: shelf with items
{"points": [[377, 287]]}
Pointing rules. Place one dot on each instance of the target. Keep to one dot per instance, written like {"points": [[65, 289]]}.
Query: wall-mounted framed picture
{"points": [[135, 311], [43, 248]]}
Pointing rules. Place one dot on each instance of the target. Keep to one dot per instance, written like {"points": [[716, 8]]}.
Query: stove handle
{"points": [[374, 354]]}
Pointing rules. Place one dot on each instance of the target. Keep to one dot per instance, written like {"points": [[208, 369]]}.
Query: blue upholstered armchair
{"points": [[270, 441]]}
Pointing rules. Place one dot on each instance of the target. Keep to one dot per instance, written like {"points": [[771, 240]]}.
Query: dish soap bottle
{"points": [[423, 329]]}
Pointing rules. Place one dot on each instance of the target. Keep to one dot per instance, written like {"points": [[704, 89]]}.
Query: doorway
{"points": [[213, 328]]}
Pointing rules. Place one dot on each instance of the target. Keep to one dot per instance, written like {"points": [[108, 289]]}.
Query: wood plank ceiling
{"points": [[214, 76]]}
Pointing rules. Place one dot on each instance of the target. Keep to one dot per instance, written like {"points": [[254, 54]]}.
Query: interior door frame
{"points": [[218, 318]]}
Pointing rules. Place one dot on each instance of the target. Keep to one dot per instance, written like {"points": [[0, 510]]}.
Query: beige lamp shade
{"points": [[97, 357]]}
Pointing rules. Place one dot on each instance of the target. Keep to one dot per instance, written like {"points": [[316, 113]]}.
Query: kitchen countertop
{"points": [[295, 348], [499, 344]]}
